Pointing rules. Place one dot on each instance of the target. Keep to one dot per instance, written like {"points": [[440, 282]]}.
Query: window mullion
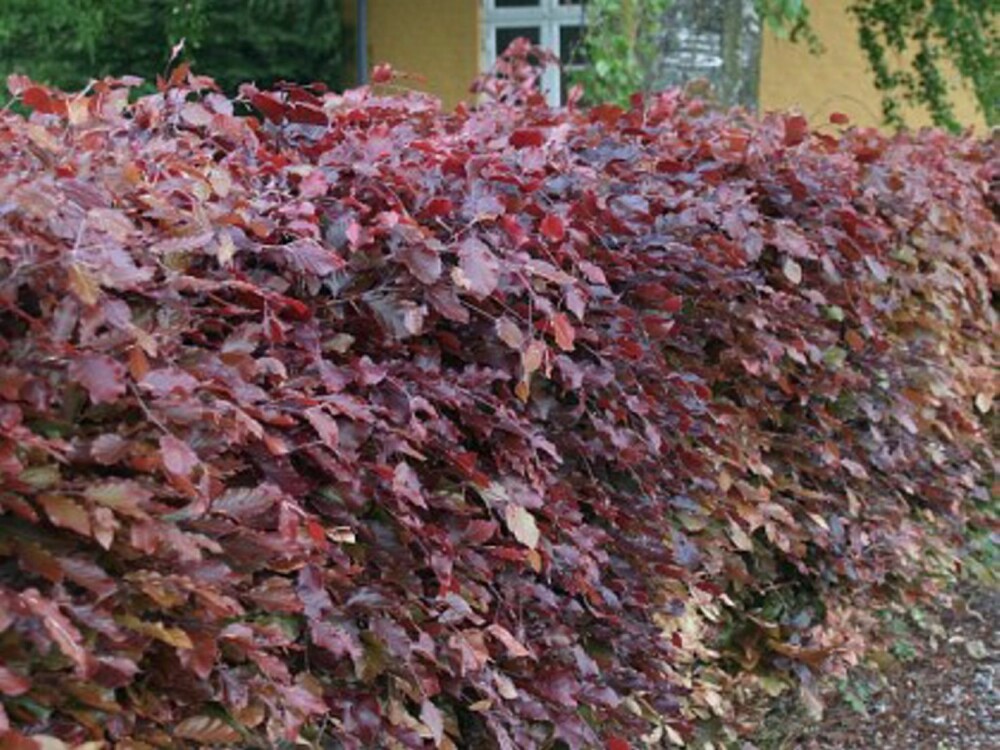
{"points": [[550, 78]]}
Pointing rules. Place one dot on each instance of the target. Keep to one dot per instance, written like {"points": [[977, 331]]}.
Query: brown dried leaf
{"points": [[514, 647], [83, 284], [66, 513], [172, 636], [564, 332], [207, 730]]}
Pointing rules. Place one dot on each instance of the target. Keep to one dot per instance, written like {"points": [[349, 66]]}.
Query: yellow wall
{"points": [[349, 18], [437, 40], [837, 80]]}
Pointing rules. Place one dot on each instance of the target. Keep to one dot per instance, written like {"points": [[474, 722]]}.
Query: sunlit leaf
{"points": [[522, 525]]}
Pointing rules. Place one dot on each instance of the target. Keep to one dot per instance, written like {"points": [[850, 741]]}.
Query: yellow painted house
{"points": [[447, 43]]}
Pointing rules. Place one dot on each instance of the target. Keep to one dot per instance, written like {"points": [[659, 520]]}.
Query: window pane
{"points": [[506, 35], [571, 49], [714, 40], [517, 3], [570, 2]]}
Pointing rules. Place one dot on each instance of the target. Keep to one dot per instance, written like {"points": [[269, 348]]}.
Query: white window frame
{"points": [[549, 16]]}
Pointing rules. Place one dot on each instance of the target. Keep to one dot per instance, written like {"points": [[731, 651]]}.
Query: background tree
{"points": [[67, 42], [622, 45]]}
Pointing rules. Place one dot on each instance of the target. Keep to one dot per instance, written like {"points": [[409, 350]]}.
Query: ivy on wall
{"points": [[931, 36]]}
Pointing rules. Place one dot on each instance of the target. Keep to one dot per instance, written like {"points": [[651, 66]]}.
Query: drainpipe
{"points": [[361, 42]]}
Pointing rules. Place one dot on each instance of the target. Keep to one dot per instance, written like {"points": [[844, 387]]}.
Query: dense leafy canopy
{"points": [[67, 42], [367, 425]]}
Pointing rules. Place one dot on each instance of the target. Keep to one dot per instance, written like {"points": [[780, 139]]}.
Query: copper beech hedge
{"points": [[343, 421]]}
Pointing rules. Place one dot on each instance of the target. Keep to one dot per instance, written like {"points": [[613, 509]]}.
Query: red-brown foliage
{"points": [[404, 428]]}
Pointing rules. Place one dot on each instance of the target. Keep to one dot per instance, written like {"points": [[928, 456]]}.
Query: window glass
{"points": [[507, 34], [571, 49], [717, 41], [517, 3]]}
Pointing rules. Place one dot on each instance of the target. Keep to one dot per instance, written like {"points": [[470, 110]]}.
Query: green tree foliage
{"points": [[789, 19], [622, 44], [910, 44], [67, 42]]}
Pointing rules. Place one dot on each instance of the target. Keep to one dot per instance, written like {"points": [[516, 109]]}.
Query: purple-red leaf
{"points": [[177, 456], [423, 260], [552, 228], [12, 683], [101, 376], [60, 630], [478, 270]]}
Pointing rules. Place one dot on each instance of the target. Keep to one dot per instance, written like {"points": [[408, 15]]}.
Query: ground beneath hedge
{"points": [[946, 698]]}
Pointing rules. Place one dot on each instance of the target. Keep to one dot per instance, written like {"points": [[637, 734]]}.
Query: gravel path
{"points": [[946, 699]]}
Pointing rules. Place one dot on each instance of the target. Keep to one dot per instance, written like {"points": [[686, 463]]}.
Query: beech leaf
{"points": [[83, 284], [423, 260], [66, 513], [514, 647], [478, 271], [509, 333], [12, 683], [522, 525], [101, 376], [177, 456], [59, 629], [309, 256], [433, 719], [206, 730], [792, 271], [564, 332], [552, 228], [172, 636], [244, 503], [325, 426]]}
